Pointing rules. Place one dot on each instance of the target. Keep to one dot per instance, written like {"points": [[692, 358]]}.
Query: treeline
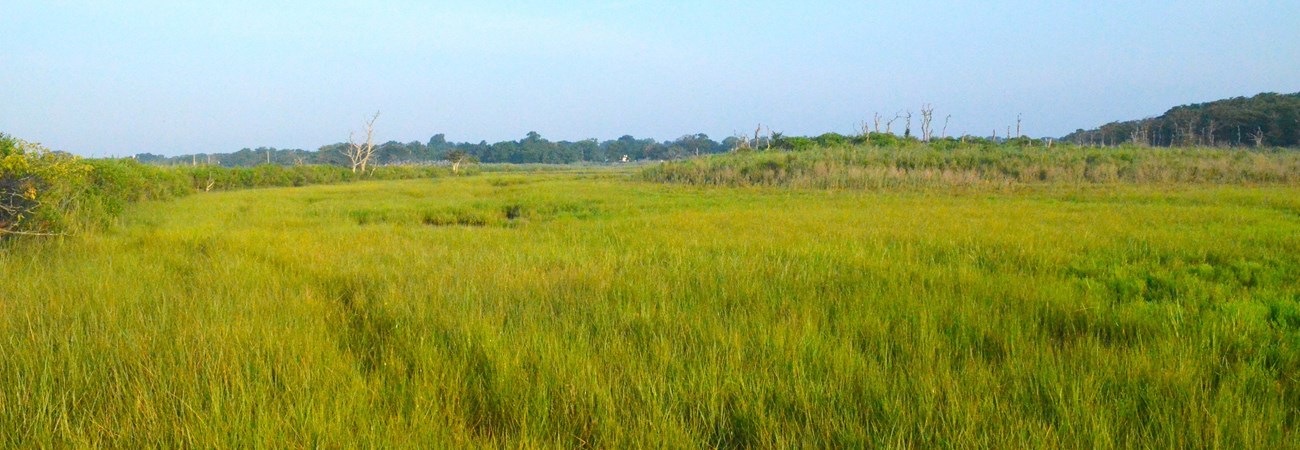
{"points": [[44, 192], [1265, 120], [532, 149]]}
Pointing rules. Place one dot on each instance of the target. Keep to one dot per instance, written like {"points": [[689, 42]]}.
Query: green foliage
{"points": [[885, 139], [1265, 120], [796, 143], [37, 187], [831, 140], [113, 184], [44, 192]]}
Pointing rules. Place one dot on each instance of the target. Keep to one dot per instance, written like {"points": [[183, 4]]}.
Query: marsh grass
{"points": [[584, 310], [981, 166]]}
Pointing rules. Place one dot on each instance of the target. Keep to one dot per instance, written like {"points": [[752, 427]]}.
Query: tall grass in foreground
{"points": [[917, 165], [579, 311]]}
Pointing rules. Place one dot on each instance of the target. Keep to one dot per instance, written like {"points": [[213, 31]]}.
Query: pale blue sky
{"points": [[117, 78]]}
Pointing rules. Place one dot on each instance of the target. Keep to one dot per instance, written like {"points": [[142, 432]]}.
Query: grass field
{"points": [[588, 309]]}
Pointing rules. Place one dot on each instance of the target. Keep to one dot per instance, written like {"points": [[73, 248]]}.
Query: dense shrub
{"points": [[37, 187], [797, 143], [831, 139], [45, 192], [882, 139]]}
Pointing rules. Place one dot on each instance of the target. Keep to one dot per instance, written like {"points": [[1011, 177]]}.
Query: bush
{"points": [[831, 140], [43, 192], [112, 184], [37, 187], [796, 143]]}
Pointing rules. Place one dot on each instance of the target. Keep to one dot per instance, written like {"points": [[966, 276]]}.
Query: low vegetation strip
{"points": [[958, 165], [44, 192]]}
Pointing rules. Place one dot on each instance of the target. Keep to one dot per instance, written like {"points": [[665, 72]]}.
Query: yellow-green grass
{"points": [[957, 166], [584, 309]]}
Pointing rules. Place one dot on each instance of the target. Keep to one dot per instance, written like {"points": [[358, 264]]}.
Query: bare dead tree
{"points": [[944, 134], [759, 138], [877, 122], [359, 154], [1018, 133], [1257, 136], [889, 125], [1209, 133], [907, 132], [927, 116], [742, 140], [1143, 133], [455, 164], [457, 158]]}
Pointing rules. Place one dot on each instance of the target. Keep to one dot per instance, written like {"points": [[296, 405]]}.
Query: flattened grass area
{"points": [[586, 309]]}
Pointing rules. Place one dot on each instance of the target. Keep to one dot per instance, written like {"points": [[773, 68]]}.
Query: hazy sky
{"points": [[116, 78]]}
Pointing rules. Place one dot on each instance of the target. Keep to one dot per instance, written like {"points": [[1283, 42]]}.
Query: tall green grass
{"points": [[955, 165], [583, 310]]}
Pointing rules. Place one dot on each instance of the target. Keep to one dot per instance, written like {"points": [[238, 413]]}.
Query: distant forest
{"points": [[533, 148], [1265, 120]]}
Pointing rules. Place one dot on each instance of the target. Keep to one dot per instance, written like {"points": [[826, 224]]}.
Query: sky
{"points": [[102, 78]]}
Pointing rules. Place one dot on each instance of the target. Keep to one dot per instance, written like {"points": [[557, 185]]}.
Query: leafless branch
{"points": [[359, 154]]}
